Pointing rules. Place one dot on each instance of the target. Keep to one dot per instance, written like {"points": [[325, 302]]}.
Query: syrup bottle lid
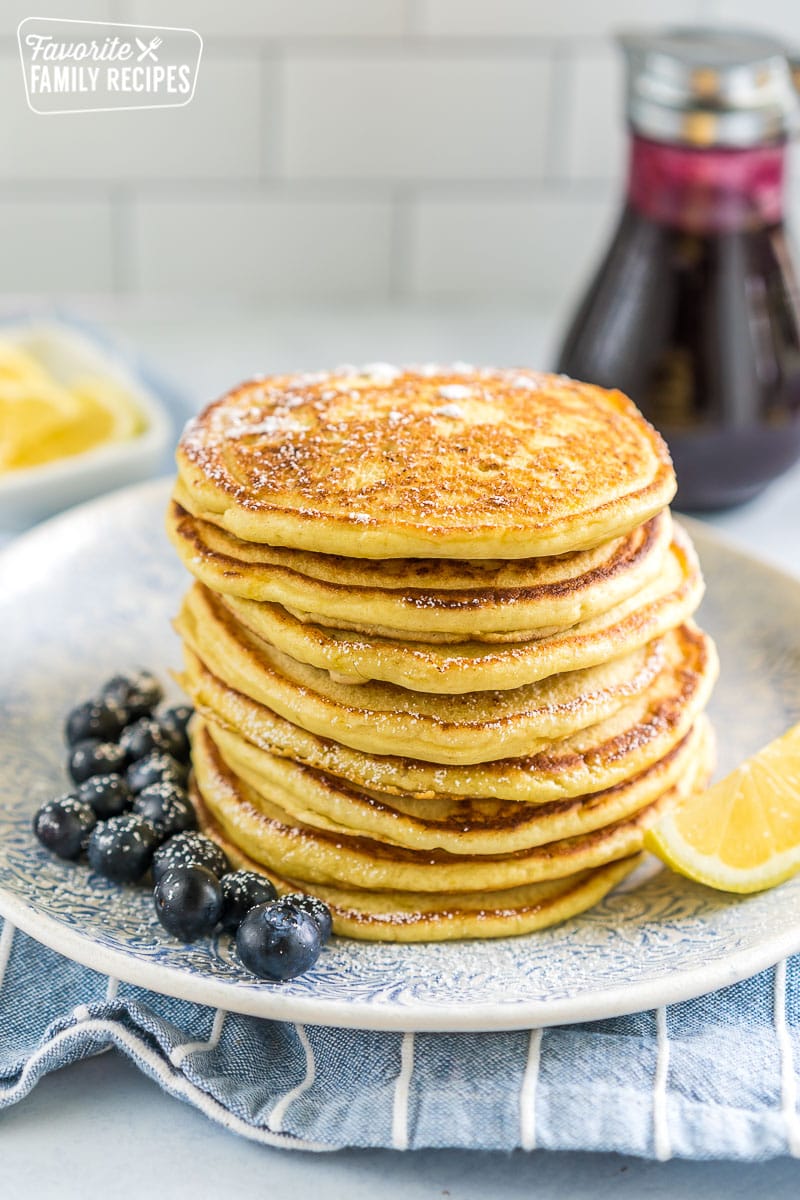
{"points": [[710, 87]]}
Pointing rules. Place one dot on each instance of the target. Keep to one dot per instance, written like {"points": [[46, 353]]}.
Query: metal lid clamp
{"points": [[711, 87]]}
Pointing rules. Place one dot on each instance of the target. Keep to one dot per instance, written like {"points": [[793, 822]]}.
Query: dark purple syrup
{"points": [[694, 314]]}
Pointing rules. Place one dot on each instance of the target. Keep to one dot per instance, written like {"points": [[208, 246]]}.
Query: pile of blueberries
{"points": [[130, 814]]}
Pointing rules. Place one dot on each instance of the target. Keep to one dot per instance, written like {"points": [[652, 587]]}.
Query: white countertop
{"points": [[100, 1127]]}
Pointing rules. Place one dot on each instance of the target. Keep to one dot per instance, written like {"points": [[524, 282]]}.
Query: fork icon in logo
{"points": [[148, 51]]}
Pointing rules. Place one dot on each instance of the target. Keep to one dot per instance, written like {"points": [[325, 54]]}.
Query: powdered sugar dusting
{"points": [[381, 372], [270, 426], [455, 391], [374, 439]]}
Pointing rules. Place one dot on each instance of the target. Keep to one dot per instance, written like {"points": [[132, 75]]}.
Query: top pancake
{"points": [[426, 463]]}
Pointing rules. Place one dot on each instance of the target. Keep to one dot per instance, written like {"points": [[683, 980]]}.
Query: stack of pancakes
{"points": [[440, 642]]}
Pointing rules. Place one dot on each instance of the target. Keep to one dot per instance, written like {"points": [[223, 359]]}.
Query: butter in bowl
{"points": [[74, 422]]}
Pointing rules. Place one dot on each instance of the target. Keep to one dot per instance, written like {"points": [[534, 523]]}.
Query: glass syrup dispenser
{"points": [[694, 311]]}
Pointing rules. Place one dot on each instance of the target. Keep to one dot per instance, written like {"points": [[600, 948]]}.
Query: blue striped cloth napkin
{"points": [[715, 1077]]}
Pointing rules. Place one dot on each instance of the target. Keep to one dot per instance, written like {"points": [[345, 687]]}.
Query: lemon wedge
{"points": [[743, 834]]}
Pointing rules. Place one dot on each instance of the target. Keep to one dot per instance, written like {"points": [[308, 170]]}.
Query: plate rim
{"points": [[267, 1001]]}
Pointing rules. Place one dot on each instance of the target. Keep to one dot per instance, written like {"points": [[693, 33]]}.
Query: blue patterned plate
{"points": [[93, 592]]}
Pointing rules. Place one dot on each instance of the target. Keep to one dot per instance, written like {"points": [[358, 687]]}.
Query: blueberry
{"points": [[122, 848], [278, 941], [92, 719], [178, 717], [157, 767], [116, 693], [167, 808], [91, 757], [108, 795], [146, 688], [241, 891], [63, 825], [144, 737], [314, 907], [189, 850], [188, 901], [174, 722], [137, 695]]}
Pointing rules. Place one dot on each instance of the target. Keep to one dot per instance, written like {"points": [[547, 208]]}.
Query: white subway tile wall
{"points": [[219, 137], [14, 11], [58, 244], [415, 116], [594, 140], [373, 149], [502, 247], [537, 18], [275, 18], [263, 246]]}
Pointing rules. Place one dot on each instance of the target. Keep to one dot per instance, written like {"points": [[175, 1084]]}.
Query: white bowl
{"points": [[32, 493]]}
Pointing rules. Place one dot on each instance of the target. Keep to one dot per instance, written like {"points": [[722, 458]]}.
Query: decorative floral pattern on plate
{"points": [[93, 592]]}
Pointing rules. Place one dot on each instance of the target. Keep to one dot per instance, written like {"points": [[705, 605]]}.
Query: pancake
{"points": [[457, 825], [379, 718], [426, 598], [439, 644], [428, 917], [611, 752], [469, 666], [433, 463], [266, 834]]}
